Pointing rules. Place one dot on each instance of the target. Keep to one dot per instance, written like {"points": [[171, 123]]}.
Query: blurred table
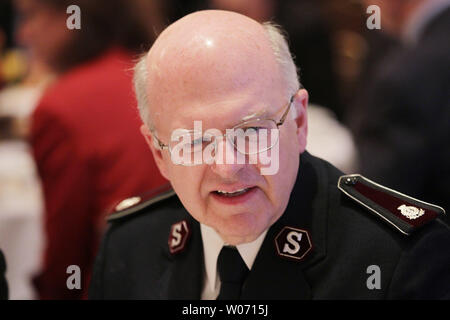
{"points": [[330, 140], [21, 234]]}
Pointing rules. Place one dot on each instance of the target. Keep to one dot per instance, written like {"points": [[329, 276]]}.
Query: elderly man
{"points": [[249, 213]]}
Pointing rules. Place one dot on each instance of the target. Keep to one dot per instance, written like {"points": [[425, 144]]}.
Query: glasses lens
{"points": [[255, 136], [187, 148]]}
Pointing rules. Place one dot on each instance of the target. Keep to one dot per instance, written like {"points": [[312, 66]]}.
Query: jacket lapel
{"points": [[183, 277], [273, 276]]}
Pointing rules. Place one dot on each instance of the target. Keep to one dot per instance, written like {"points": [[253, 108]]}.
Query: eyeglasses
{"points": [[249, 137]]}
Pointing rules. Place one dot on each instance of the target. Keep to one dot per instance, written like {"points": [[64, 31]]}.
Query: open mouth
{"points": [[235, 197], [232, 194]]}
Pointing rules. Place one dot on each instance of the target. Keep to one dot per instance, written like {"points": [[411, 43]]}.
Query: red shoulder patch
{"points": [[402, 212], [178, 237]]}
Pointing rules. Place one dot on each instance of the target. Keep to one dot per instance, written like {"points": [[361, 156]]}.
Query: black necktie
{"points": [[232, 271]]}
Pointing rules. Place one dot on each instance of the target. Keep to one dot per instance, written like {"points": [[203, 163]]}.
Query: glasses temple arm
{"points": [[283, 118]]}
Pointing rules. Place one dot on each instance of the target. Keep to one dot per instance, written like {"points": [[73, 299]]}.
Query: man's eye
{"points": [[254, 129], [196, 142]]}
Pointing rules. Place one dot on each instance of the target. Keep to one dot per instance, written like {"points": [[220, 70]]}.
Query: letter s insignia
{"points": [[293, 243], [179, 234]]}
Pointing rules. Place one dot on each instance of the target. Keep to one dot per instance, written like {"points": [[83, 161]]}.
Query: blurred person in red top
{"points": [[85, 130]]}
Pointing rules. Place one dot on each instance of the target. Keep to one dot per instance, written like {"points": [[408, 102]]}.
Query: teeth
{"points": [[232, 193]]}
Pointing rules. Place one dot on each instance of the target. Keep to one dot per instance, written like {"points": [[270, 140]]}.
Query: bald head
{"points": [[211, 54]]}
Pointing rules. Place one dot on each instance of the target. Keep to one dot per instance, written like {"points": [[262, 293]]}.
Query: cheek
{"points": [[186, 182], [279, 189], [289, 152], [289, 155]]}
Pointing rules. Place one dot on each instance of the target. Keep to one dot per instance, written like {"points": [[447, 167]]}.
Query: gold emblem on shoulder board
{"points": [[411, 212]]}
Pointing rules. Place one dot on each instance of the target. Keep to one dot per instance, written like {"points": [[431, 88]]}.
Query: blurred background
{"points": [[379, 105]]}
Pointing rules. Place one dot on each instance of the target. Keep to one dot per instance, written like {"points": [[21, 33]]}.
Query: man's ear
{"points": [[301, 104], [157, 153]]}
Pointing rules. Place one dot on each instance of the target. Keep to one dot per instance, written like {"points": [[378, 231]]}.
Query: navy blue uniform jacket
{"points": [[134, 261]]}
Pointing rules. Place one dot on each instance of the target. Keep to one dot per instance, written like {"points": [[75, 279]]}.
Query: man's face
{"points": [[222, 97], [42, 29]]}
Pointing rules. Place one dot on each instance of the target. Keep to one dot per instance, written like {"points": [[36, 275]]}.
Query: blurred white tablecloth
{"points": [[330, 140], [21, 234]]}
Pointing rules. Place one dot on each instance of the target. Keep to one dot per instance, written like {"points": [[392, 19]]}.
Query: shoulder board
{"points": [[133, 205], [402, 212]]}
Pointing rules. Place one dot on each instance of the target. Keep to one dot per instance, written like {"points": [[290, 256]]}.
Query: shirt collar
{"points": [[416, 25], [213, 243]]}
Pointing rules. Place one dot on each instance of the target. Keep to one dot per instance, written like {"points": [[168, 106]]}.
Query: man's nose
{"points": [[228, 161]]}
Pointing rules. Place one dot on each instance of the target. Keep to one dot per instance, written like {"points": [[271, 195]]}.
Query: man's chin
{"points": [[240, 229], [236, 239]]}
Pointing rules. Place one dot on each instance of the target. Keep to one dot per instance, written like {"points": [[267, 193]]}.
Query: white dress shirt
{"points": [[212, 244]]}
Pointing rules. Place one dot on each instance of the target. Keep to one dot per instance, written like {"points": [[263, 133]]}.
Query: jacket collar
{"points": [[182, 278], [307, 210]]}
